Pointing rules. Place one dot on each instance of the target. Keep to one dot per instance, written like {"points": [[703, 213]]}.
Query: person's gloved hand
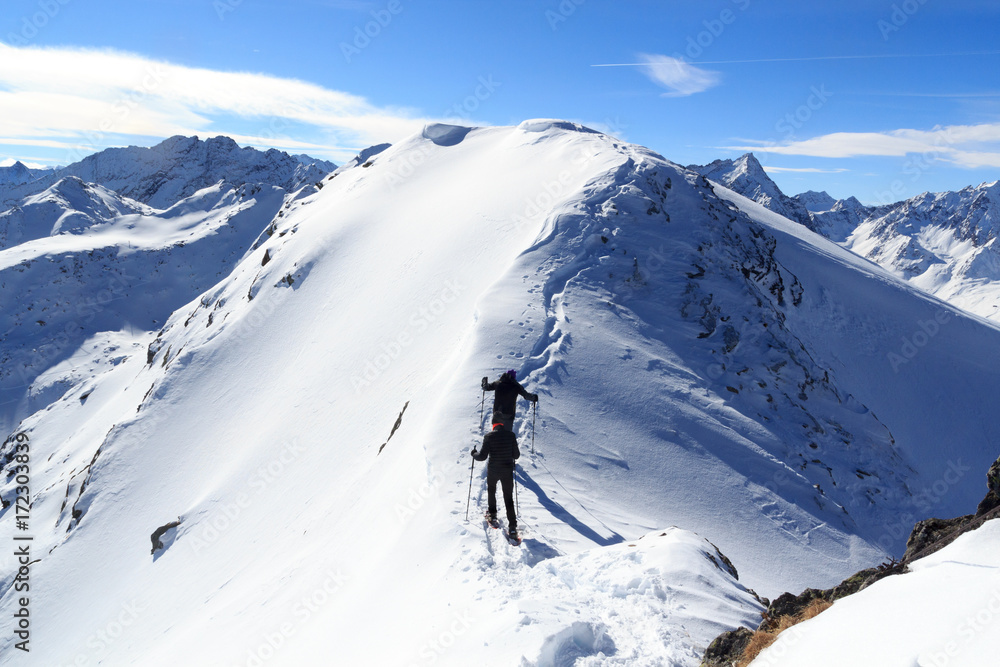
{"points": [[475, 451], [534, 398], [485, 382]]}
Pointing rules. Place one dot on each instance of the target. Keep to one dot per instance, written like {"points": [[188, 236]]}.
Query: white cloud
{"points": [[87, 99], [678, 77], [969, 146], [804, 170]]}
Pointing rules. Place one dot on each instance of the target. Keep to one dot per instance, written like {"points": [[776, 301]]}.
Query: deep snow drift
{"points": [[725, 372]]}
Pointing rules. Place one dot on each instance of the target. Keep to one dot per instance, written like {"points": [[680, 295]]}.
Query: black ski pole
{"points": [[469, 500], [481, 405], [517, 503], [534, 407]]}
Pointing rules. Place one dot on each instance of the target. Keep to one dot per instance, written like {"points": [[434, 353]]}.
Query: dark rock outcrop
{"points": [[727, 648], [158, 533], [928, 536]]}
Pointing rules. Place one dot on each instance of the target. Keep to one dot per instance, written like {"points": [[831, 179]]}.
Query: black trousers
{"points": [[506, 479]]}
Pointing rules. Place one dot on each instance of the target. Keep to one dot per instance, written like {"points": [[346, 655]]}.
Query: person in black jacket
{"points": [[507, 389], [500, 445]]}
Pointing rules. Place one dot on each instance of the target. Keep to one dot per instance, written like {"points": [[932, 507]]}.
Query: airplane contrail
{"points": [[793, 60]]}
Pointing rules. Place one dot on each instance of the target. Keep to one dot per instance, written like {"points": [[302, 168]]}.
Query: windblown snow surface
{"points": [[714, 379]]}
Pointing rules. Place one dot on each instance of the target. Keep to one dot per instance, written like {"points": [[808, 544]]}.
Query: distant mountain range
{"points": [[944, 243], [122, 239], [163, 174]]}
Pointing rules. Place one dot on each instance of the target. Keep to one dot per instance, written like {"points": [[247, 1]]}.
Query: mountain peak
{"points": [[179, 166], [746, 176], [16, 173], [816, 202], [750, 162]]}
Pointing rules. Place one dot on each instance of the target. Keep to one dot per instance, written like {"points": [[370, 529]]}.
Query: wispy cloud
{"points": [[86, 99], [968, 146], [804, 170], [678, 77]]}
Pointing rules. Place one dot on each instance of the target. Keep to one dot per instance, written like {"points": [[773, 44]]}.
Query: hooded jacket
{"points": [[507, 390], [501, 447]]}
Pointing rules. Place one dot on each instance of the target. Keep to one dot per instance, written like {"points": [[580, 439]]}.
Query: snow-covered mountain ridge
{"points": [[943, 243], [78, 259], [177, 168], [18, 173], [702, 363]]}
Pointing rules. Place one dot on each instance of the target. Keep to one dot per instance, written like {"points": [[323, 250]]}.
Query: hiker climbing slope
{"points": [[506, 390], [500, 446]]}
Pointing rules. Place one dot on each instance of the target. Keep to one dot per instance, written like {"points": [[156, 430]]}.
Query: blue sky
{"points": [[881, 100]]}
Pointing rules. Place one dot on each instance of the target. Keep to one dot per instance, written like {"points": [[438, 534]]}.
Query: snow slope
{"points": [[70, 205], [92, 262], [943, 612], [308, 418]]}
